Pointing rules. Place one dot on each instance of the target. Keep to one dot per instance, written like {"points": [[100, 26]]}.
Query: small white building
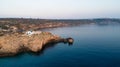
{"points": [[32, 32], [29, 33]]}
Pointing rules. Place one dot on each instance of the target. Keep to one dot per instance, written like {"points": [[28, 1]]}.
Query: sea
{"points": [[94, 46]]}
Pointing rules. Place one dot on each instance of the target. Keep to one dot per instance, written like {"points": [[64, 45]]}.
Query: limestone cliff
{"points": [[13, 44]]}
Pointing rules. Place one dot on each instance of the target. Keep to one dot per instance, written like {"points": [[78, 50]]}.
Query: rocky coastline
{"points": [[14, 44], [14, 39]]}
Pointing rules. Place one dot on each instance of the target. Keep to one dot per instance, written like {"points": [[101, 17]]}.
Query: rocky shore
{"points": [[14, 44]]}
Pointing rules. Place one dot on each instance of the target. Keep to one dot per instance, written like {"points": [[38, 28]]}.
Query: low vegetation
{"points": [[12, 25]]}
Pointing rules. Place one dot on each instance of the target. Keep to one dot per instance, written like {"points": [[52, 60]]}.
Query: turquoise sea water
{"points": [[94, 46]]}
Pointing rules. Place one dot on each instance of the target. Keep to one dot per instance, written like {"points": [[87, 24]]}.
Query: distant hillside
{"points": [[23, 24], [43, 21]]}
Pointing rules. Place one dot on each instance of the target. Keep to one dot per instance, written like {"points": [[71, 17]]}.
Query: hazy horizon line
{"points": [[57, 18]]}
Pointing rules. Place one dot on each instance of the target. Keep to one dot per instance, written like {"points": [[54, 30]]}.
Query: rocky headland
{"points": [[14, 44]]}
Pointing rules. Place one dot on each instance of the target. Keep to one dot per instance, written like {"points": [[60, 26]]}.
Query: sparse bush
{"points": [[3, 27]]}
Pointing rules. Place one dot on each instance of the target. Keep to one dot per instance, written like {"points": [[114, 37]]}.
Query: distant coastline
{"points": [[24, 24]]}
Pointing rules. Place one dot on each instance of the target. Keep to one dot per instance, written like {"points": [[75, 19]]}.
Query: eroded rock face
{"points": [[13, 44]]}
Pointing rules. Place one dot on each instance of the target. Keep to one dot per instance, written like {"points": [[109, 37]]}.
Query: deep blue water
{"points": [[94, 46]]}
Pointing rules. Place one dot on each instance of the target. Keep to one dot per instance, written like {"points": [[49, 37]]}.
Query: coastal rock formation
{"points": [[13, 44]]}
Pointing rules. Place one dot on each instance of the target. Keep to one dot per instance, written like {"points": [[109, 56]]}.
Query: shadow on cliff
{"points": [[49, 46], [41, 52]]}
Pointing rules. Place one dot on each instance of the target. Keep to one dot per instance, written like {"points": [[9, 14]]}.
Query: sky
{"points": [[60, 9]]}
